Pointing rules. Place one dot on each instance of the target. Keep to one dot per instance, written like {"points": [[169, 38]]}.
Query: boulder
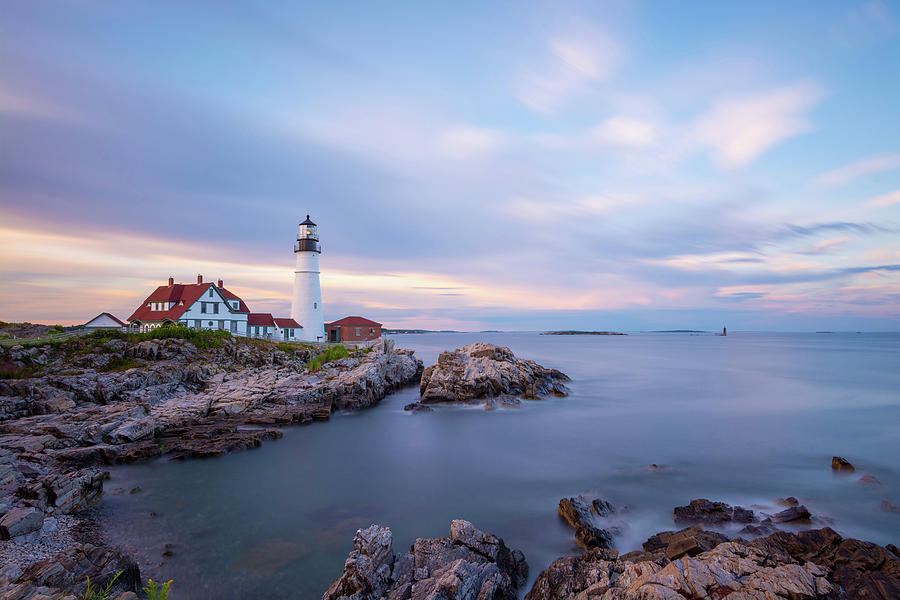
{"points": [[869, 479], [580, 515], [702, 510], [481, 370], [21, 521], [690, 541], [794, 513], [842, 464], [470, 565]]}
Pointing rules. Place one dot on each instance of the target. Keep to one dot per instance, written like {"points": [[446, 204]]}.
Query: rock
{"points": [[841, 464], [417, 407], [789, 501], [885, 505], [69, 569], [702, 510], [812, 565], [794, 513], [690, 541], [869, 480], [21, 521], [470, 564], [481, 370], [763, 528], [572, 575], [580, 515]]}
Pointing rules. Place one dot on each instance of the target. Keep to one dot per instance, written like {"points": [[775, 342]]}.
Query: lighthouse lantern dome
{"points": [[308, 230]]}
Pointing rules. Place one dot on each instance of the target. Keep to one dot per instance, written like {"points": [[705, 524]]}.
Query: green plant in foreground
{"points": [[92, 592], [155, 591]]}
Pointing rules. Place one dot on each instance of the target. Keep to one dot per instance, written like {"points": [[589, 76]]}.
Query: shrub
{"points": [[11, 371], [202, 338], [331, 353], [92, 592], [118, 363], [155, 591]]}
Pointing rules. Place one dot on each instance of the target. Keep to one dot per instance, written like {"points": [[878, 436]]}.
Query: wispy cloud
{"points": [[574, 62], [739, 129], [860, 168], [883, 200]]}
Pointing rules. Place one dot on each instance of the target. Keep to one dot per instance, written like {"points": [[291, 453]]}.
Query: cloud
{"points": [[860, 168], [19, 104], [862, 228], [883, 200], [465, 142], [829, 244], [574, 62], [625, 131], [738, 130]]}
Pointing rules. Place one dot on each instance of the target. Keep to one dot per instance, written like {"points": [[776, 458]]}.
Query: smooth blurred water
{"points": [[743, 419]]}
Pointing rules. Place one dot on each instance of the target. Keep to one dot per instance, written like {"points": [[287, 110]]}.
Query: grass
{"points": [[92, 592], [201, 338], [156, 591], [329, 354], [117, 364], [10, 371]]}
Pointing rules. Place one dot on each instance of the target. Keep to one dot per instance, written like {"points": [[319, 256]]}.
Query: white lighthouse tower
{"points": [[306, 308]]}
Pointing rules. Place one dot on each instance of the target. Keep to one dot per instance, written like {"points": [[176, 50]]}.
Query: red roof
{"points": [[183, 295], [287, 323], [241, 307], [260, 319], [355, 321]]}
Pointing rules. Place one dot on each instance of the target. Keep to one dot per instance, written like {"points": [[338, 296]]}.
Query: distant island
{"points": [[575, 332], [405, 331], [680, 331]]}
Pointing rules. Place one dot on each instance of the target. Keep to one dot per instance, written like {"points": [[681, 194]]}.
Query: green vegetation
{"points": [[120, 364], [10, 371], [331, 353], [201, 338], [155, 591], [92, 592], [57, 329]]}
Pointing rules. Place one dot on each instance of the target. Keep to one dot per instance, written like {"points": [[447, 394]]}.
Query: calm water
{"points": [[743, 419]]}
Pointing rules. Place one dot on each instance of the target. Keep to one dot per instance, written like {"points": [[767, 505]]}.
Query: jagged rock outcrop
{"points": [[485, 371], [667, 546], [812, 565], [582, 516], [469, 564], [704, 511], [64, 576]]}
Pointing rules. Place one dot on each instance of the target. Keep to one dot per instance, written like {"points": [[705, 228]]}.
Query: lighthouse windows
{"points": [[315, 305]]}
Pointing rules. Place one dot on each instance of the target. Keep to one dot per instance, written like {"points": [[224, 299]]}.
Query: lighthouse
{"points": [[306, 308]]}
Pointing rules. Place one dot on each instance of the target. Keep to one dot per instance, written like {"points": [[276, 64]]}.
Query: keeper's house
{"points": [[353, 329], [205, 305], [105, 321]]}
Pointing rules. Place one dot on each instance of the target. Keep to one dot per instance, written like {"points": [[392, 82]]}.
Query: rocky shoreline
{"points": [[690, 564], [94, 402]]}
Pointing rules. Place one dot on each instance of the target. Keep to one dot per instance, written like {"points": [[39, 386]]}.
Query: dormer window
{"points": [[210, 293]]}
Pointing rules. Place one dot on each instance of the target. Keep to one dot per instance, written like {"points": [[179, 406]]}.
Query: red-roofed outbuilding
{"points": [[353, 329]]}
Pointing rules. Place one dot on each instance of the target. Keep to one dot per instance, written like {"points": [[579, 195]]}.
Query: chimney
{"points": [[171, 281], [199, 278], [221, 285]]}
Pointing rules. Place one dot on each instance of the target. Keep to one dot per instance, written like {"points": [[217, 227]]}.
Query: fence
{"points": [[53, 337]]}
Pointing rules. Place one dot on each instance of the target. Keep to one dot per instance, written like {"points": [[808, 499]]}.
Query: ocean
{"points": [[744, 419]]}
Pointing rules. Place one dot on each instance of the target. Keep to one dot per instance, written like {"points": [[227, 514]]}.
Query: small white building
{"points": [[265, 326], [106, 321]]}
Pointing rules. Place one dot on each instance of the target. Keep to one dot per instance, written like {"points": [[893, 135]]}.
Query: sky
{"points": [[617, 165]]}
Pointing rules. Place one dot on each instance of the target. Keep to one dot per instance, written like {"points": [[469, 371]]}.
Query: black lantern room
{"points": [[308, 239]]}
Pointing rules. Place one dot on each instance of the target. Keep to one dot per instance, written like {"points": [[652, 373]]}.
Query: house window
{"points": [[236, 305], [221, 325], [371, 330], [357, 332], [197, 323], [210, 292], [215, 307], [234, 325], [203, 307], [210, 323]]}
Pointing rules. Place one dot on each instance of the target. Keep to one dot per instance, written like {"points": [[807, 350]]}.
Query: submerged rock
{"points": [[470, 564], [842, 464], [481, 370], [702, 510]]}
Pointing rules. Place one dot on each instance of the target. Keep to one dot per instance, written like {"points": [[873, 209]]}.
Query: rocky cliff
{"points": [[76, 406]]}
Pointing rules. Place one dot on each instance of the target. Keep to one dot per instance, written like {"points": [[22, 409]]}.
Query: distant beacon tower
{"points": [[306, 308]]}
